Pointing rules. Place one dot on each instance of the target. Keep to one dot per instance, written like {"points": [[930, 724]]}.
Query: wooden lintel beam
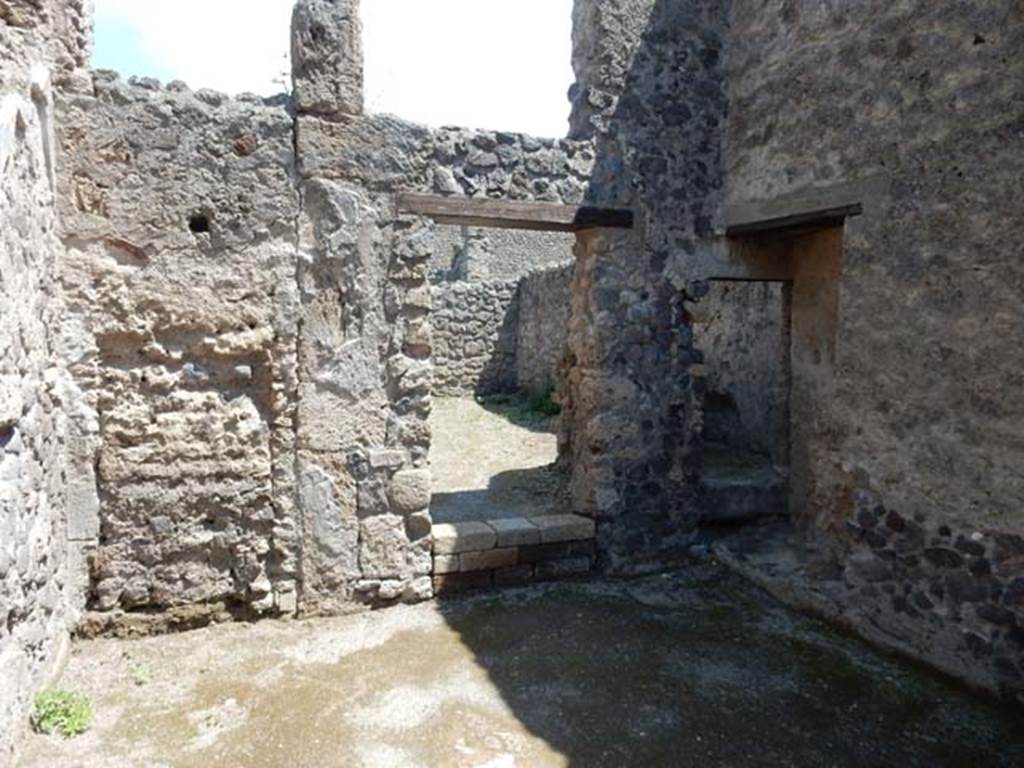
{"points": [[513, 214], [808, 208], [809, 219]]}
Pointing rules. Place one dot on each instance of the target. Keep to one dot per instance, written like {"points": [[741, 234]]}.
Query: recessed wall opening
{"points": [[768, 332], [499, 323], [742, 329], [199, 223], [503, 283]]}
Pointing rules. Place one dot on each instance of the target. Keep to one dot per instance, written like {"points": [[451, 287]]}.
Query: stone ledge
{"points": [[558, 528], [515, 532], [512, 551], [488, 559], [456, 538], [453, 538]]}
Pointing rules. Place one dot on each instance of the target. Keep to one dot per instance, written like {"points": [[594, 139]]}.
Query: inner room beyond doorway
{"points": [[492, 460], [498, 320]]}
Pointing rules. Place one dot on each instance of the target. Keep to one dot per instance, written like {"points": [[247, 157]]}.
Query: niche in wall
{"points": [[741, 328], [787, 287]]}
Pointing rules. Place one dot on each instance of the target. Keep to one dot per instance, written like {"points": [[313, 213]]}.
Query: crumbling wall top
{"points": [[327, 58], [58, 33]]}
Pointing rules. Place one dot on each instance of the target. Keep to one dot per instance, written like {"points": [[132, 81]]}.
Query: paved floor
{"points": [[693, 669], [490, 461]]}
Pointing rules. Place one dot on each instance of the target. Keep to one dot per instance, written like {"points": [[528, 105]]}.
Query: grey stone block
{"points": [[558, 528], [384, 458], [488, 559], [446, 564], [538, 553], [515, 532], [327, 57], [410, 491], [452, 538]]}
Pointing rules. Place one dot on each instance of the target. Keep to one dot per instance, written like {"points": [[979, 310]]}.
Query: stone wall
{"points": [[477, 254], [366, 361], [247, 328], [920, 105], [742, 330], [543, 332], [500, 337], [650, 94], [179, 217], [57, 35], [385, 154], [899, 386], [40, 43], [500, 308], [476, 328], [252, 335], [364, 398]]}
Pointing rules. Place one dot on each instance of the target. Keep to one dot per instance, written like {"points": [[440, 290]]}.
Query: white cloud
{"points": [[228, 45], [478, 63]]}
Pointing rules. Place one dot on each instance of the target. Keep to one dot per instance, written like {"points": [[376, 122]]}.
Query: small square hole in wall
{"points": [[468, 63], [199, 223]]}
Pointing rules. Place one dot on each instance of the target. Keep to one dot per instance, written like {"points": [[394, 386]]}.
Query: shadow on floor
{"points": [[515, 493], [701, 669]]}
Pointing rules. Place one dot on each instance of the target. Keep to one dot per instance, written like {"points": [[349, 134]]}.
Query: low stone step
{"points": [[511, 551], [739, 500], [453, 538]]}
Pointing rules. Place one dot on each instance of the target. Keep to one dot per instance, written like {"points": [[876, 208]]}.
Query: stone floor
{"points": [[697, 668], [490, 461], [862, 593]]}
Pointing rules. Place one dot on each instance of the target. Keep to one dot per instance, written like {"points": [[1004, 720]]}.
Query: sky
{"points": [[499, 64]]}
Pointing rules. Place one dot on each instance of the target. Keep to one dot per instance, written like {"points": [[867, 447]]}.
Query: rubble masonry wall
{"points": [[40, 590]]}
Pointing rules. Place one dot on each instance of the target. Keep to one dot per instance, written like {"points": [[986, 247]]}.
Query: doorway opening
{"points": [[742, 328], [499, 318], [768, 330], [498, 344]]}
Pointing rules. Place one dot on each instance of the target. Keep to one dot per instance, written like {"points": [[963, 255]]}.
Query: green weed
{"points": [[525, 410], [64, 712]]}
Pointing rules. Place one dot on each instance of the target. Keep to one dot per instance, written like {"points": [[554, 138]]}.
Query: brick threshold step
{"points": [[512, 551]]}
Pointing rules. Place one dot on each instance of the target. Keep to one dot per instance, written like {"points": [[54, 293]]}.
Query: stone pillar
{"points": [[364, 400], [327, 58]]}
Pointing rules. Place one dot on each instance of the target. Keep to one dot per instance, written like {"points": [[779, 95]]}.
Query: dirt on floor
{"points": [[696, 668], [491, 460]]}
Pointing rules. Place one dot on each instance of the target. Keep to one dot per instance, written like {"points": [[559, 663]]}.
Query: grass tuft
{"points": [[64, 712], [543, 404], [524, 410]]}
